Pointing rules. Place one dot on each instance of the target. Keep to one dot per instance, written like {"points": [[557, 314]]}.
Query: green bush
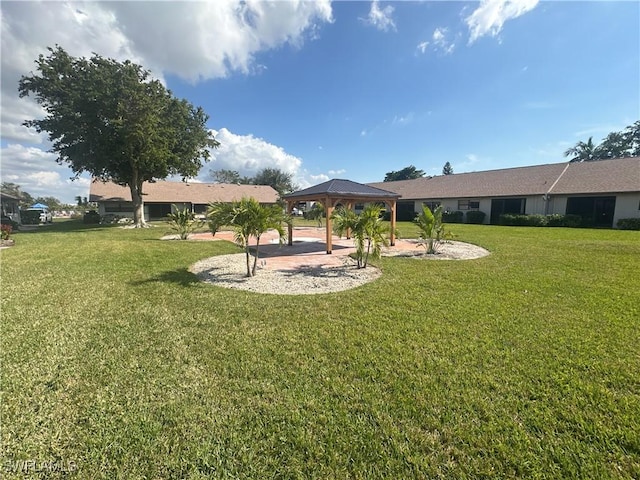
{"points": [[535, 220], [7, 221], [475, 216], [572, 220], [91, 217], [453, 217], [629, 223], [555, 220], [30, 217]]}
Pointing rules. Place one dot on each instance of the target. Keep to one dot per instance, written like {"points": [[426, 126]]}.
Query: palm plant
{"points": [[369, 231], [431, 228], [583, 151], [248, 219], [183, 222]]}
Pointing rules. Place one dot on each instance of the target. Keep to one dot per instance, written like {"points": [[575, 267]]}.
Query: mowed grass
{"points": [[523, 364]]}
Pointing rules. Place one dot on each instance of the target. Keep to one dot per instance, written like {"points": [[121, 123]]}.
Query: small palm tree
{"points": [[369, 231], [183, 222], [431, 228], [248, 219]]}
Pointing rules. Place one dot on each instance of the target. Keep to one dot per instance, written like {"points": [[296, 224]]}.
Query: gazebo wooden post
{"points": [[349, 207], [290, 226], [392, 239], [328, 212]]}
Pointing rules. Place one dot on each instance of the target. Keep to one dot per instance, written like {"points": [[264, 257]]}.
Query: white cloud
{"points": [[440, 42], [402, 119], [315, 179], [490, 16], [422, 46], [337, 172], [192, 40], [248, 154], [37, 172], [381, 18]]}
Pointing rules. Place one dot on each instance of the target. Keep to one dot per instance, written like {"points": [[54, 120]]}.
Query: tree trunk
{"points": [[255, 259], [246, 251], [138, 203]]}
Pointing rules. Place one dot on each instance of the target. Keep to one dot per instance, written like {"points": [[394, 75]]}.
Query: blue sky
{"points": [[348, 89]]}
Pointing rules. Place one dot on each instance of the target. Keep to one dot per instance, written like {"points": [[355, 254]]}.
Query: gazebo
{"points": [[344, 192]]}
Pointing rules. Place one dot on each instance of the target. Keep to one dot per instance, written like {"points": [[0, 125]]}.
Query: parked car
{"points": [[45, 214]]}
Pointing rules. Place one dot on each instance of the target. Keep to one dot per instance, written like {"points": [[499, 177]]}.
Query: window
{"points": [[115, 207], [432, 205], [468, 205]]}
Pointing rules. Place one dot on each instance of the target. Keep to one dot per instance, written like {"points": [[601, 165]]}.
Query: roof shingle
{"points": [[606, 176]]}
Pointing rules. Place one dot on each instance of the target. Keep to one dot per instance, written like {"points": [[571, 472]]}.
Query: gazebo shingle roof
{"points": [[343, 187]]}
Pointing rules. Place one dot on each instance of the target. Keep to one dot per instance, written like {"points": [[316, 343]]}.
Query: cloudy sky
{"points": [[352, 90]]}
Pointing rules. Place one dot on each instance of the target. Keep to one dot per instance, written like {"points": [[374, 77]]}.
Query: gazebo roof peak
{"points": [[339, 186]]}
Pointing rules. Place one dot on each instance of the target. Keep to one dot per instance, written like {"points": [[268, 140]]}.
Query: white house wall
{"points": [[627, 206]]}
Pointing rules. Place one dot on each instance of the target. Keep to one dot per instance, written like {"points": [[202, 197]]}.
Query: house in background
{"points": [[161, 195], [10, 206], [602, 192]]}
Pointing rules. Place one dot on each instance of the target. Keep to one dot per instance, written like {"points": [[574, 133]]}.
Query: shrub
{"points": [[475, 216], [535, 220], [91, 217], [629, 223], [558, 220], [555, 220], [30, 217], [453, 217], [7, 221], [5, 231], [572, 220]]}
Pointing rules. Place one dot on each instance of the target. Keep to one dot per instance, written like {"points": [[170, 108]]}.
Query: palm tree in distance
{"points": [[583, 152]]}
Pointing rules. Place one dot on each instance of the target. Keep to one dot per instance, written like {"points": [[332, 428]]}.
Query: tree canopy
{"points": [[112, 120], [279, 180], [447, 169], [407, 173], [625, 143]]}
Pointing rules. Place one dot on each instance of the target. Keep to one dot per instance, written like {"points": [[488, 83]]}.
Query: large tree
{"points": [[112, 120], [226, 176], [407, 173], [280, 181], [447, 169]]}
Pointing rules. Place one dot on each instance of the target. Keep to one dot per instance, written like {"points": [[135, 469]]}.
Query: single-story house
{"points": [[10, 206], [161, 195], [601, 191]]}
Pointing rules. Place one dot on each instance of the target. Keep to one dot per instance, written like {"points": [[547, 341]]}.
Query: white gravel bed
{"points": [[449, 250], [230, 271]]}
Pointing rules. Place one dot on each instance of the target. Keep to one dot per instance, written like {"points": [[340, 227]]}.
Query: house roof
{"points": [[606, 176], [182, 192], [346, 188], [8, 196]]}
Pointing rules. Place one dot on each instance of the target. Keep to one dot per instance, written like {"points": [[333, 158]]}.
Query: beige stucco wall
{"points": [[627, 206]]}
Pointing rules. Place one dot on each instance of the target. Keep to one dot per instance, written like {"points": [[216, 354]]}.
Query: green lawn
{"points": [[522, 364]]}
